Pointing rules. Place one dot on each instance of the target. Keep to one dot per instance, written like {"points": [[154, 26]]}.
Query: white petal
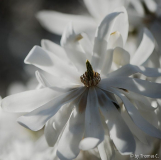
{"points": [[36, 119], [55, 125], [94, 133], [145, 48], [121, 24], [55, 22], [69, 37], [143, 102], [106, 148], [74, 51], [129, 70], [99, 51], [106, 27], [68, 147], [151, 5], [139, 86], [115, 40], [42, 80], [78, 59], [51, 64], [121, 57], [107, 62], [86, 45], [119, 131], [28, 101], [136, 117], [133, 128], [54, 48]]}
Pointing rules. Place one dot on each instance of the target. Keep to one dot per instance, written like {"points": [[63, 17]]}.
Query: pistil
{"points": [[90, 77]]}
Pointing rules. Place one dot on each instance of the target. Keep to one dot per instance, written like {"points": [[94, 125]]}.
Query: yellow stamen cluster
{"points": [[90, 77]]}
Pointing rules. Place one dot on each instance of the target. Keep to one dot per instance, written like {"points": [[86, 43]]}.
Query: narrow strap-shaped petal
{"points": [[143, 102], [36, 119], [55, 22], [121, 24], [68, 147], [52, 64], [55, 125], [87, 45], [145, 48], [136, 117], [149, 89], [112, 23], [29, 100], [94, 133], [129, 70], [140, 135], [107, 62], [119, 131], [99, 51]]}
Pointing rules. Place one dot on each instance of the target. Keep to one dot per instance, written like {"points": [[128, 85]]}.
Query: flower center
{"points": [[90, 77]]}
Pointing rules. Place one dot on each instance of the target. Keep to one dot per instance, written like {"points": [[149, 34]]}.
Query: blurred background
{"points": [[20, 31]]}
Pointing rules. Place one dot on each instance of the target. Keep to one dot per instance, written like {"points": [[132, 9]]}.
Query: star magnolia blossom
{"points": [[79, 107]]}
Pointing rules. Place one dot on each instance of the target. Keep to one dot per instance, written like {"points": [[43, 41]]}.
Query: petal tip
{"points": [[89, 143]]}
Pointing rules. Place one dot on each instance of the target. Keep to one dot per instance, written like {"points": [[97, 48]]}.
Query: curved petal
{"points": [[110, 24], [68, 147], [129, 70], [54, 48], [119, 131], [121, 24], [36, 119], [51, 64], [145, 48], [106, 27], [139, 86], [55, 22], [29, 100], [136, 117], [94, 133], [55, 125]]}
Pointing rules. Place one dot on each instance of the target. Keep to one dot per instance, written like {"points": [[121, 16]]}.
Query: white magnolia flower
{"points": [[79, 105]]}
